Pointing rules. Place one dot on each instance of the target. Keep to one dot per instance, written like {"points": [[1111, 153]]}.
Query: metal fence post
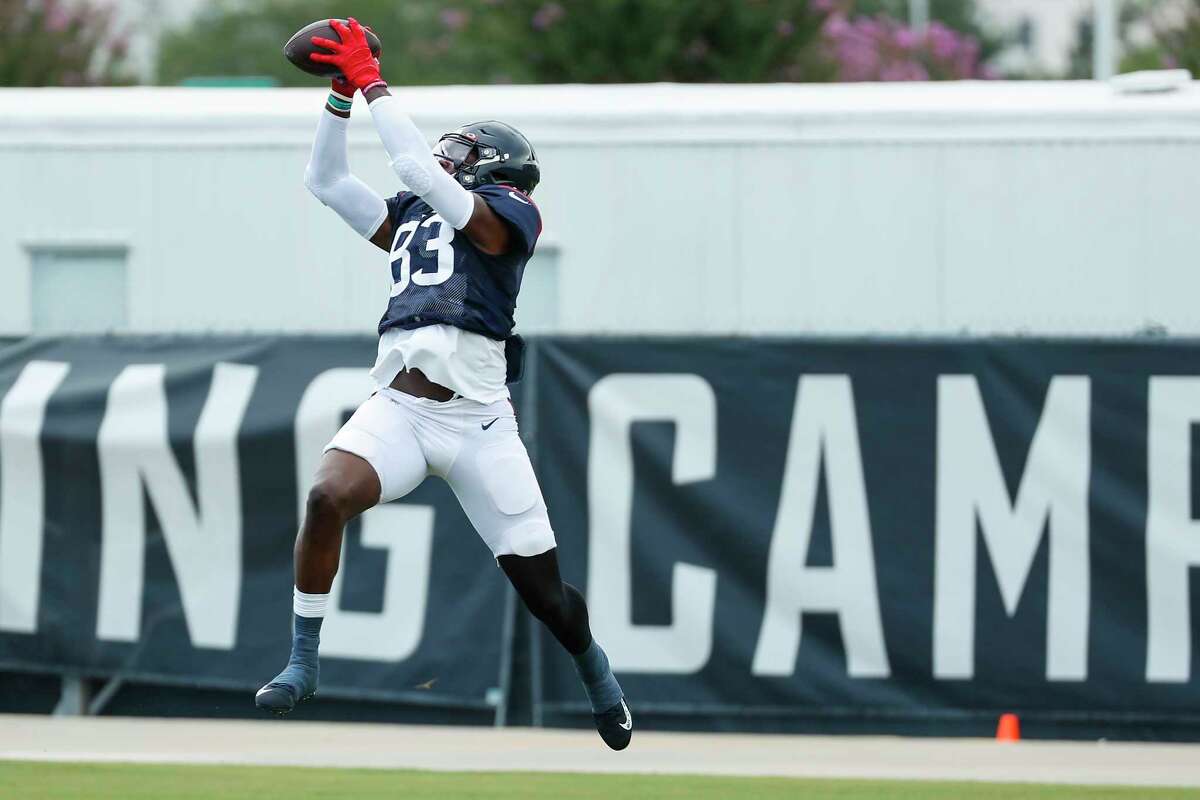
{"points": [[529, 433], [506, 655], [1104, 43]]}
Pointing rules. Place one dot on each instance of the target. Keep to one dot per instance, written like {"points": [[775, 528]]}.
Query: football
{"points": [[300, 46]]}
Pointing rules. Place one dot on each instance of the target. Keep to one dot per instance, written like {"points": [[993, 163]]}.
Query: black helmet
{"points": [[490, 152]]}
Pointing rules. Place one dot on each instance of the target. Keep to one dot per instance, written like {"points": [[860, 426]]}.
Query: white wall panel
{"points": [[20, 189], [840, 239], [1035, 208], [1170, 259], [647, 237], [1068, 238]]}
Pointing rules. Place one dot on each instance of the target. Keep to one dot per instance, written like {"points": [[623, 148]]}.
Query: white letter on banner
{"points": [[204, 540], [21, 492], [1054, 489], [404, 531], [1172, 535], [824, 429], [614, 404]]}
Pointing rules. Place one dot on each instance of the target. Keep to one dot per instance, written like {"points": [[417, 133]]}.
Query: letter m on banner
{"points": [[1052, 498]]}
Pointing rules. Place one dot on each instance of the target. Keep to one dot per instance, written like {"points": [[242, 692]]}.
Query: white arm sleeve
{"points": [[328, 177], [415, 165]]}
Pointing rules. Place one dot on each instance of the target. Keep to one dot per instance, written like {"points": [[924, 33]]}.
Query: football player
{"points": [[458, 242]]}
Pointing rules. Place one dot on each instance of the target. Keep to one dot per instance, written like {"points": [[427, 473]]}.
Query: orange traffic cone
{"points": [[1009, 729]]}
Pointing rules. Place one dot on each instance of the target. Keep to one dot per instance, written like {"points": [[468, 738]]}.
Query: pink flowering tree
{"points": [[634, 41], [881, 48], [607, 41], [58, 43]]}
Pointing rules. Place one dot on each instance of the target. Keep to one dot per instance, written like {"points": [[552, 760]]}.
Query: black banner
{"points": [[851, 530], [150, 534], [878, 529]]}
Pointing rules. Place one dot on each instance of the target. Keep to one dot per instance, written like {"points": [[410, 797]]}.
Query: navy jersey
{"points": [[440, 277]]}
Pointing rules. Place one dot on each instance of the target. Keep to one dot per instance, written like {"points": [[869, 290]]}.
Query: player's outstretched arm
{"points": [[414, 164], [410, 155], [328, 174]]}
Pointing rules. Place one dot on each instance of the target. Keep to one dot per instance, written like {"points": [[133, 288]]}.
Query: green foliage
{"points": [[518, 41], [1176, 41], [1174, 29], [549, 41], [55, 43], [632, 41], [237, 38]]}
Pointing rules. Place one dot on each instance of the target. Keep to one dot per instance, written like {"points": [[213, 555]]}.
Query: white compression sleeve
{"points": [[415, 165], [328, 177]]}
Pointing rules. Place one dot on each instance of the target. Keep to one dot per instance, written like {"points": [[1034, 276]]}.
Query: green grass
{"points": [[41, 781]]}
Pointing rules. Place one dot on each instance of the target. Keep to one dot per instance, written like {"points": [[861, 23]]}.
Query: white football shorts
{"points": [[474, 447]]}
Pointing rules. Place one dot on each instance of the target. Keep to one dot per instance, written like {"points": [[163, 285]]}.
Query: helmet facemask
{"points": [[465, 155]]}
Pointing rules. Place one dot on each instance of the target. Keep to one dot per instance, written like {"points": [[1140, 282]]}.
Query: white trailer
{"points": [[907, 209]]}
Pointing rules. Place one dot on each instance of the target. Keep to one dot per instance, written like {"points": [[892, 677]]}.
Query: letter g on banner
{"points": [[614, 404], [405, 531]]}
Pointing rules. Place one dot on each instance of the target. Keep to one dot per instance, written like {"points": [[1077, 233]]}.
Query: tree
{"points": [[519, 41], [1175, 39], [867, 42], [632, 41], [229, 38], [961, 16], [56, 43], [591, 41], [1154, 34]]}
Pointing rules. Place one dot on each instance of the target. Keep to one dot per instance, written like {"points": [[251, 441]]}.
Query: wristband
{"points": [[340, 102], [372, 85]]}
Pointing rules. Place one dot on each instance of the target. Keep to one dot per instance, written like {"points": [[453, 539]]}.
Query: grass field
{"points": [[45, 780]]}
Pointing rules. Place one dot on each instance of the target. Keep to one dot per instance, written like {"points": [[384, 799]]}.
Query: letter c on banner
{"points": [[614, 404]]}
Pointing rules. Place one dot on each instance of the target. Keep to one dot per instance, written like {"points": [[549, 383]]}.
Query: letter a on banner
{"points": [[614, 404], [824, 430], [972, 495], [204, 540]]}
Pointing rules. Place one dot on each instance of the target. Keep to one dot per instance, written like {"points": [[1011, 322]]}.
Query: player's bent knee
{"points": [[329, 502]]}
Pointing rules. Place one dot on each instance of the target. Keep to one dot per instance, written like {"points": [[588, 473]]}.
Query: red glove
{"points": [[352, 55], [342, 87]]}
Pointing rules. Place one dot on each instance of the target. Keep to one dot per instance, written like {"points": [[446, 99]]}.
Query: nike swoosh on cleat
{"points": [[628, 723], [490, 424]]}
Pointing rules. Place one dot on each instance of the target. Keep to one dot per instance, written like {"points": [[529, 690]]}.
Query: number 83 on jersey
{"points": [[429, 247]]}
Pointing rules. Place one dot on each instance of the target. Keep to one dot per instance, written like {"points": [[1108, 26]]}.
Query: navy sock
{"points": [[601, 685], [306, 638], [303, 669]]}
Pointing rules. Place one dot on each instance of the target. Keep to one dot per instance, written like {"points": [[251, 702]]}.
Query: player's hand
{"points": [[352, 55], [342, 86]]}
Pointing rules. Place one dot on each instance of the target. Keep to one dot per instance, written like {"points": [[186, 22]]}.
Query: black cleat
{"points": [[292, 686], [615, 725], [278, 698]]}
